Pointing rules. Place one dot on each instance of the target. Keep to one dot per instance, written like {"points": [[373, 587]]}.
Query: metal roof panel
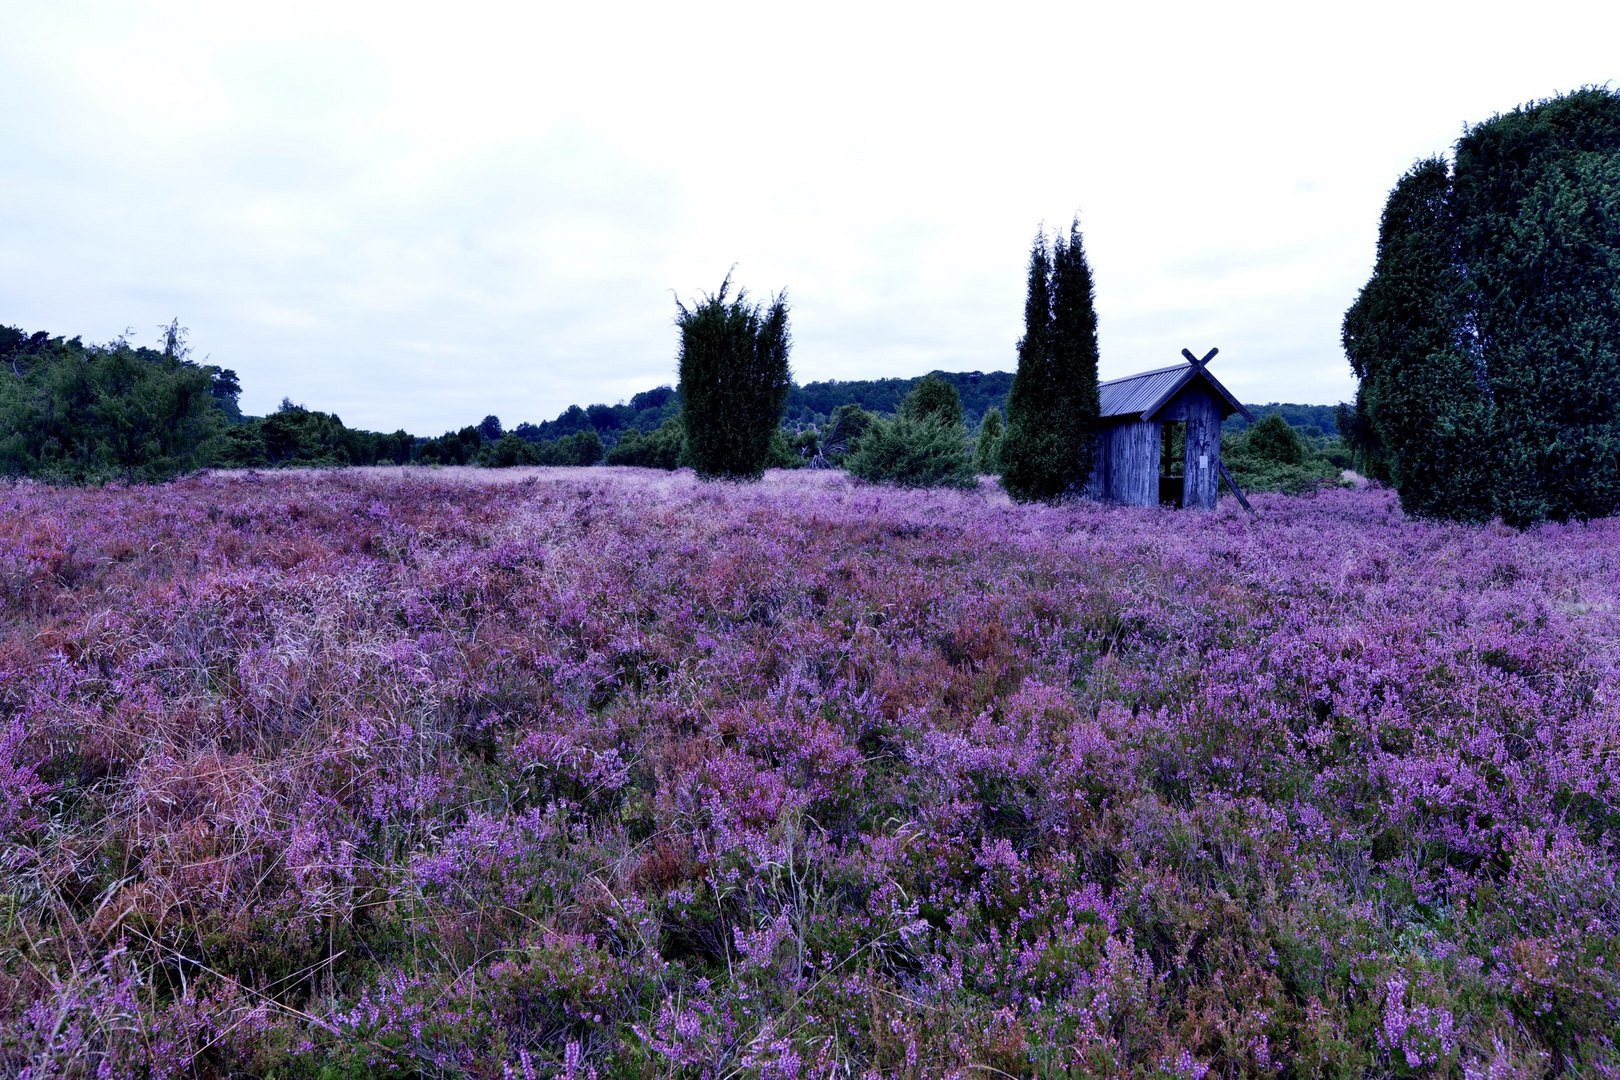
{"points": [[1135, 393], [1146, 392]]}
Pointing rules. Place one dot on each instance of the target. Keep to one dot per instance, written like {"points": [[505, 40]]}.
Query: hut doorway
{"points": [[1172, 464]]}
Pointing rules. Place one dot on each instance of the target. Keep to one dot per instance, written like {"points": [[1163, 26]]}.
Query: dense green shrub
{"points": [[734, 381], [912, 453], [1052, 408], [1272, 456], [1488, 339], [924, 446], [792, 449], [296, 436], [1273, 439], [1405, 342], [1537, 193], [81, 413], [933, 398], [659, 449]]}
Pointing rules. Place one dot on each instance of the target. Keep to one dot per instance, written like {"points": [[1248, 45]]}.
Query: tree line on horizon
{"points": [[77, 413]]}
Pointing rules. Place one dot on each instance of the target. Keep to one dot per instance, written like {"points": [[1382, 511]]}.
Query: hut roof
{"points": [[1144, 394]]}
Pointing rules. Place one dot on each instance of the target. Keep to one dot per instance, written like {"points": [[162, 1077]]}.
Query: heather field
{"points": [[603, 772]]}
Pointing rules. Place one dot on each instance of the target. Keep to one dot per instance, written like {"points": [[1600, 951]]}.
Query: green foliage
{"points": [[76, 413], [924, 446], [1075, 403], [452, 448], [1274, 440], [1309, 419], [934, 398], [1403, 337], [734, 381], [1538, 204], [779, 454], [987, 444], [644, 413], [912, 453], [814, 403], [660, 449], [1053, 405], [844, 430], [1273, 456], [792, 450], [296, 436], [1365, 451], [509, 450], [1488, 339], [580, 448]]}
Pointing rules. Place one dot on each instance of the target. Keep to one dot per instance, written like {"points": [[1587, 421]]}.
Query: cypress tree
{"points": [[1074, 357], [1404, 337], [734, 381], [1031, 448], [1052, 406]]}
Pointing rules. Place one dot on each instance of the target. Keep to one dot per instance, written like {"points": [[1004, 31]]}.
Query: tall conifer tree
{"points": [[734, 381], [1046, 453], [1074, 356]]}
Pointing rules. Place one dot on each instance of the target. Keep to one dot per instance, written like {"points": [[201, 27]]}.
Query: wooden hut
{"points": [[1132, 462]]}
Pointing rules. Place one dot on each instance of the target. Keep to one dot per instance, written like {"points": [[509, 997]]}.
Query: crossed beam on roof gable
{"points": [[1197, 363]]}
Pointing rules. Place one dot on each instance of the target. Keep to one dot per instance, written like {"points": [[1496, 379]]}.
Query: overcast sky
{"points": [[414, 215]]}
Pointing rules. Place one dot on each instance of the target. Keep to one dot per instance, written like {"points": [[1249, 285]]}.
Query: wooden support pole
{"points": [[1231, 483]]}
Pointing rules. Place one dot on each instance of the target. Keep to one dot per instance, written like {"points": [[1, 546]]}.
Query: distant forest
{"points": [[90, 413], [813, 404]]}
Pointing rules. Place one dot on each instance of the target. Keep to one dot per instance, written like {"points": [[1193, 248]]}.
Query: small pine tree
{"points": [[913, 453], [987, 444], [925, 445], [734, 381], [1274, 439]]}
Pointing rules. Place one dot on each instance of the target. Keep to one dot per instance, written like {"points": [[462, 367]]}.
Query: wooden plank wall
{"points": [[1133, 463], [1097, 485], [1202, 468]]}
